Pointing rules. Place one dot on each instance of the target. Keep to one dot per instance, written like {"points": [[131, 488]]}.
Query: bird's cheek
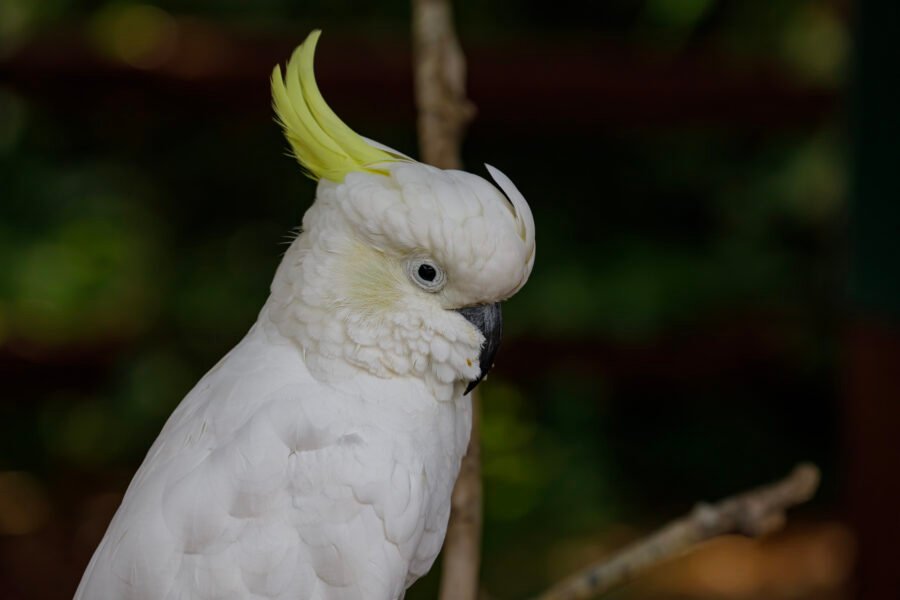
{"points": [[456, 360]]}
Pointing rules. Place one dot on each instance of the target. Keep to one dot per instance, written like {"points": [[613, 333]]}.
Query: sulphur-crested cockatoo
{"points": [[317, 459]]}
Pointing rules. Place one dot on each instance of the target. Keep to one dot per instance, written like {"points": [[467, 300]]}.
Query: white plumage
{"points": [[268, 484], [317, 459]]}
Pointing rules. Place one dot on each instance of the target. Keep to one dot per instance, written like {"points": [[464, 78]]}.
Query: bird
{"points": [[317, 459]]}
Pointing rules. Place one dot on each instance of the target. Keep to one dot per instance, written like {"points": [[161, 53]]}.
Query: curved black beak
{"points": [[489, 321]]}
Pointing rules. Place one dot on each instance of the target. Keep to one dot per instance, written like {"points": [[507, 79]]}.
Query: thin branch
{"points": [[440, 84], [444, 112], [752, 513]]}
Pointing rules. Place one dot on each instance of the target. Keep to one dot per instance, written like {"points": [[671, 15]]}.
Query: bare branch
{"points": [[440, 84], [752, 513], [444, 112]]}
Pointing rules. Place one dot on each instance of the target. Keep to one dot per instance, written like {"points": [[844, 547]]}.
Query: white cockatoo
{"points": [[317, 459]]}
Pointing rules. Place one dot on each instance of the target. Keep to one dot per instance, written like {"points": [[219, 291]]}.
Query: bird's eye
{"points": [[426, 274]]}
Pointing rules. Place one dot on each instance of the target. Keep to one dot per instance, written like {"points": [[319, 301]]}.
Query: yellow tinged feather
{"points": [[323, 144], [294, 129]]}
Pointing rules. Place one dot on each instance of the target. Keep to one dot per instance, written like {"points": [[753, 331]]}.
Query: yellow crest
{"points": [[322, 143]]}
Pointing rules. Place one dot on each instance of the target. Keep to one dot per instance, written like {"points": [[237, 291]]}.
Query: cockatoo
{"points": [[317, 459]]}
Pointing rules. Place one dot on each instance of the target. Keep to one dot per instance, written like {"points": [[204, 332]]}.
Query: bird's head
{"points": [[400, 266]]}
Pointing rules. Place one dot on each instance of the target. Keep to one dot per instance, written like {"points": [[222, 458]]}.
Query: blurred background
{"points": [[715, 298]]}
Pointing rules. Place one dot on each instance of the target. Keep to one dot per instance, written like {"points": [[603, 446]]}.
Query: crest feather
{"points": [[322, 143]]}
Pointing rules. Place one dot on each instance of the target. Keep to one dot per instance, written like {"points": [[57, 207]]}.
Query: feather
{"points": [[323, 144]]}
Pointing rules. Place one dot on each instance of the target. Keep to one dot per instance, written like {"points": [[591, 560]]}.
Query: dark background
{"points": [[715, 298]]}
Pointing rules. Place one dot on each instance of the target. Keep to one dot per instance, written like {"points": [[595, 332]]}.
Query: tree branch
{"points": [[444, 112], [752, 513], [440, 84]]}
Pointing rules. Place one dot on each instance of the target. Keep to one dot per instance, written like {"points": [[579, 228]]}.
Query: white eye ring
{"points": [[426, 274]]}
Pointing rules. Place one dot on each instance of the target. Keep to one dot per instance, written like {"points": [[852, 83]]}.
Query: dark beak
{"points": [[489, 321]]}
